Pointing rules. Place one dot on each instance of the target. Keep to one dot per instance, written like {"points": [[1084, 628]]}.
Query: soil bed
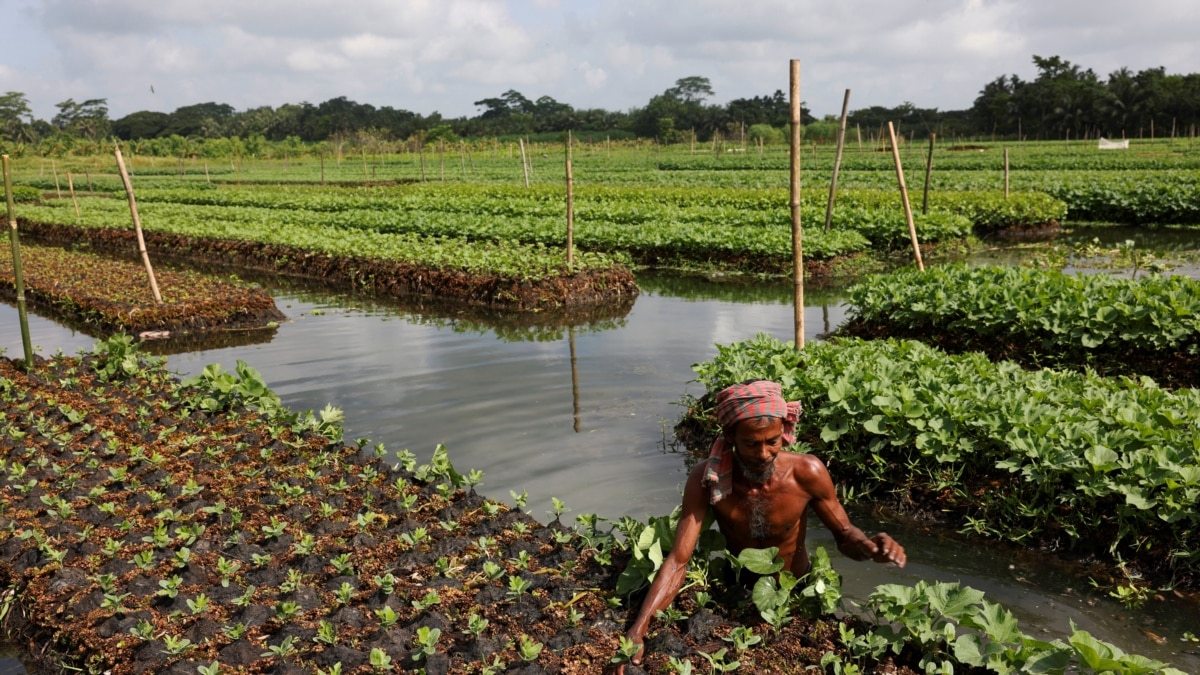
{"points": [[109, 296], [389, 278], [154, 526]]}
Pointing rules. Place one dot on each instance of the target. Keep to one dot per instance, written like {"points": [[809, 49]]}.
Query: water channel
{"points": [[584, 413]]}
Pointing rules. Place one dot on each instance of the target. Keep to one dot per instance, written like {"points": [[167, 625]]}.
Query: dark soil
{"points": [[139, 534], [387, 278]]}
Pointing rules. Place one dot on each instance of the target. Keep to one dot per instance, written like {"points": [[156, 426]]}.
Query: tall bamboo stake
{"points": [[57, 188], [137, 224], [524, 166], [928, 172], [363, 151], [18, 274], [442, 158], [837, 160], [71, 189], [797, 233], [570, 208], [912, 227]]}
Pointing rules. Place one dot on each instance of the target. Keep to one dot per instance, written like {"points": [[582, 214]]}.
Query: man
{"points": [[759, 496]]}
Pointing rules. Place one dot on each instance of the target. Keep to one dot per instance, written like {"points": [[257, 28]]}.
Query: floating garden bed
{"points": [[112, 296], [526, 278], [1092, 468], [149, 525], [1041, 318]]}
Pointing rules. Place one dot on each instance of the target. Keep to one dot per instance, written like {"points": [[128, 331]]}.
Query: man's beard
{"points": [[758, 476]]}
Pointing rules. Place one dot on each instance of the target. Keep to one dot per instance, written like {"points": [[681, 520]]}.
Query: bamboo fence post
{"points": [[322, 156], [928, 172], [837, 160], [912, 228], [462, 159], [524, 166], [207, 178], [88, 174], [570, 208], [421, 150], [137, 224], [797, 232], [442, 159], [363, 151], [71, 189], [1006, 173], [18, 273], [57, 188]]}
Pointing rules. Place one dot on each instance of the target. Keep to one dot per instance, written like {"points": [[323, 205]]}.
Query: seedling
{"points": [[211, 669], [199, 604], [285, 648], [175, 645], [528, 648], [386, 583], [387, 616], [234, 631], [341, 563], [380, 660], [170, 587], [492, 570], [426, 642], [517, 587], [559, 508], [286, 609], [431, 598], [326, 633], [144, 630], [476, 624], [625, 650]]}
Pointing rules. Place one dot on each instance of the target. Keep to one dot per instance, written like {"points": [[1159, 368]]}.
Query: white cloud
{"points": [[426, 55]]}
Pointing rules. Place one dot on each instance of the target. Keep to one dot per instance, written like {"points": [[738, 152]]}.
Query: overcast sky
{"points": [[443, 55]]}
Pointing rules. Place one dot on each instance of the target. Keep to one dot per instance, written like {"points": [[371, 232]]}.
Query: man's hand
{"points": [[637, 656], [883, 549]]}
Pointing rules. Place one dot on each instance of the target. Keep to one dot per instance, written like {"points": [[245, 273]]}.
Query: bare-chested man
{"points": [[759, 496]]}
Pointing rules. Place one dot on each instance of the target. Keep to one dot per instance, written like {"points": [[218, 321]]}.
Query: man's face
{"points": [[756, 444]]}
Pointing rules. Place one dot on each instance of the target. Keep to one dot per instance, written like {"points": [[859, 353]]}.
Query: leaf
{"points": [[761, 560]]}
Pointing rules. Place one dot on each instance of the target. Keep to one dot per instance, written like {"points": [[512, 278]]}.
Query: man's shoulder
{"points": [[804, 467]]}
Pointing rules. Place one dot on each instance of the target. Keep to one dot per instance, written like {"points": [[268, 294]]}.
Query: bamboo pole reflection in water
{"points": [[574, 375]]}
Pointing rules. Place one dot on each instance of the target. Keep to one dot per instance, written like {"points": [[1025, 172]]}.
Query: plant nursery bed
{"points": [[104, 295], [149, 525]]}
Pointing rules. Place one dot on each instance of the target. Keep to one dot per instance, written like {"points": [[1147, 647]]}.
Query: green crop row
{"points": [[1093, 465], [312, 232], [1039, 316]]}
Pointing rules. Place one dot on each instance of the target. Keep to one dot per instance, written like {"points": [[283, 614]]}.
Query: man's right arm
{"points": [[670, 576]]}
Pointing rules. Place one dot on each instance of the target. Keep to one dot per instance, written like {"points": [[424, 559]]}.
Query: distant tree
{"points": [[14, 106], [88, 119], [205, 120], [693, 89], [141, 124]]}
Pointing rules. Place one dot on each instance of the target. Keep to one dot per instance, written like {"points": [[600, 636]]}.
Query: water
{"points": [[584, 414]]}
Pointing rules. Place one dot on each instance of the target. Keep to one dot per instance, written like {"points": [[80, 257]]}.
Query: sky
{"points": [[441, 56]]}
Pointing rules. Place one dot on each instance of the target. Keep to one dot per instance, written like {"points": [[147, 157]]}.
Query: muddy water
{"points": [[584, 414]]}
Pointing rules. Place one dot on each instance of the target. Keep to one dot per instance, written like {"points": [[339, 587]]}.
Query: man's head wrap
{"points": [[755, 398]]}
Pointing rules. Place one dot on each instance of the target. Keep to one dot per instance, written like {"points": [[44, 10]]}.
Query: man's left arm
{"points": [[852, 542]]}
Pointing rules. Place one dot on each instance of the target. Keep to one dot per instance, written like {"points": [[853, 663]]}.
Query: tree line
{"points": [[1063, 100]]}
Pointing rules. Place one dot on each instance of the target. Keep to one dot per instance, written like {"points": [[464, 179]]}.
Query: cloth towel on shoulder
{"points": [[759, 398]]}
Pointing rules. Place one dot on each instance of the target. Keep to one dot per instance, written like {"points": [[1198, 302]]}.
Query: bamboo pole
{"points": [[1006, 173], [322, 156], [137, 224], [57, 187], [18, 273], [88, 174], [928, 173], [837, 160], [363, 151], [442, 159], [421, 150], [570, 208], [574, 376], [71, 189], [524, 166], [797, 232], [912, 227], [207, 178]]}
